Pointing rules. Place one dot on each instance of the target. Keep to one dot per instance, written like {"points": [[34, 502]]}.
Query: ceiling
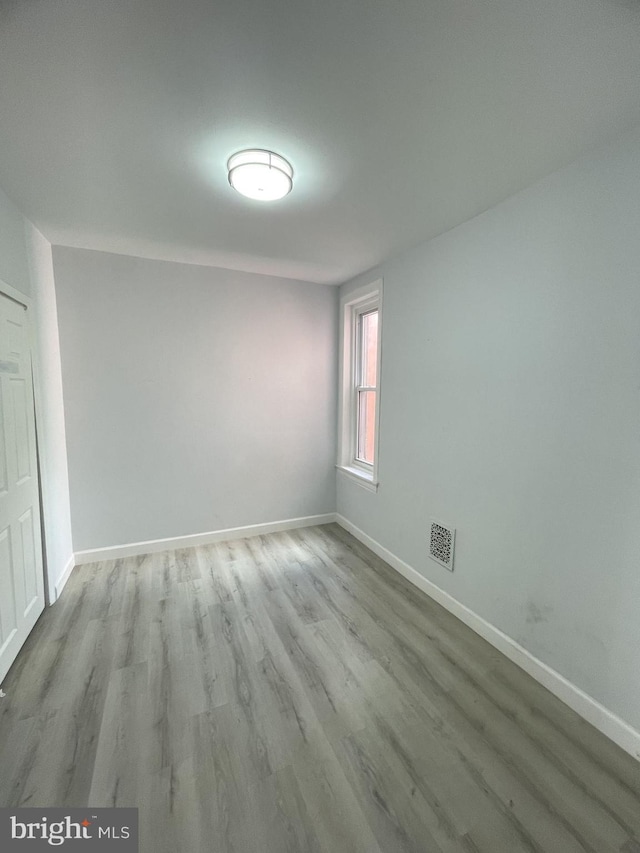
{"points": [[401, 118]]}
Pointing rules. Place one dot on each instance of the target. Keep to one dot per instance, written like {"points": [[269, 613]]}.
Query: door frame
{"points": [[27, 303]]}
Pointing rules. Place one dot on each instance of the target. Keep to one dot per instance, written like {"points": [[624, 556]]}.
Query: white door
{"points": [[21, 575]]}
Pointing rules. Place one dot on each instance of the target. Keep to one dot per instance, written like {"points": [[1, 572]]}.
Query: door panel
{"points": [[3, 450], [21, 574], [8, 621], [27, 540], [23, 451]]}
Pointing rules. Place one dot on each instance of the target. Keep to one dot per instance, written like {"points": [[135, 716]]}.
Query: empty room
{"points": [[320, 426]]}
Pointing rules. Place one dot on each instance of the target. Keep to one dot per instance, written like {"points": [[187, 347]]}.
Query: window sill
{"points": [[362, 478]]}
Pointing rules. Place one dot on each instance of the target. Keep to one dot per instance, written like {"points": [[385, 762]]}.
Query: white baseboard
{"points": [[586, 706], [63, 577], [135, 549]]}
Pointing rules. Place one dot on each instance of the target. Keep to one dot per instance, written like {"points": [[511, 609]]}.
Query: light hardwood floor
{"points": [[292, 692]]}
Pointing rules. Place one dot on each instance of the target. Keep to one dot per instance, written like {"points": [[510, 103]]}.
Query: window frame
{"points": [[353, 306]]}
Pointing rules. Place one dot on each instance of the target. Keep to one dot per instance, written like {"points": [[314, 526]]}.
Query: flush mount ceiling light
{"points": [[260, 174]]}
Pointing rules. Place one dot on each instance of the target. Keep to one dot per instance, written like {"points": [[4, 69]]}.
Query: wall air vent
{"points": [[442, 539]]}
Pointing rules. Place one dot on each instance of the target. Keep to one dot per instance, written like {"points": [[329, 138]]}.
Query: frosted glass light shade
{"points": [[261, 175]]}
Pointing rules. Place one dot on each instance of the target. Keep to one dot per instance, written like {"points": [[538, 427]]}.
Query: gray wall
{"points": [[25, 263], [510, 408], [197, 399]]}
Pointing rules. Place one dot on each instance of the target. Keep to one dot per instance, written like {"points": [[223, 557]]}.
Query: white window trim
{"points": [[351, 305]]}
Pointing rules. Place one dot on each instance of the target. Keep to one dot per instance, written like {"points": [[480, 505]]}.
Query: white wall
{"points": [[510, 408], [25, 264], [197, 399], [50, 414], [14, 255]]}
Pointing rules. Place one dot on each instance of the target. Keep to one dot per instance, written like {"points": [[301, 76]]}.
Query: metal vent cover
{"points": [[441, 542]]}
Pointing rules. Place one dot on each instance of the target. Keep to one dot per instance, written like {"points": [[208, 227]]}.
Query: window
{"points": [[361, 326]]}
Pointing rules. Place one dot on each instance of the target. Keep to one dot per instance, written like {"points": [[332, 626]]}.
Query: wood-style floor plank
{"points": [[291, 693]]}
